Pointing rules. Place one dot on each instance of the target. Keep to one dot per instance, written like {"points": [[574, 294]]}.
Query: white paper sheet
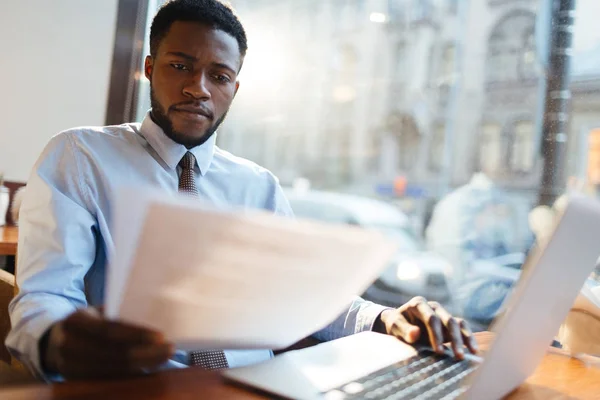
{"points": [[215, 279]]}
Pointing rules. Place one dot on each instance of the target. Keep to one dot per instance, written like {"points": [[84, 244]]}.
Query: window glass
{"points": [[492, 145], [428, 112], [522, 147]]}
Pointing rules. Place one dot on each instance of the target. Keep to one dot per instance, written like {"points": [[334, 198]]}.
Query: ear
{"points": [[148, 65]]}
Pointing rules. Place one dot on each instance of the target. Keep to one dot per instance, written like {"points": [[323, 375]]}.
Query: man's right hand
{"points": [[86, 345]]}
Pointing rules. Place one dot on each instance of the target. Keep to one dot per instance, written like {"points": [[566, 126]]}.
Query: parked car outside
{"points": [[412, 272]]}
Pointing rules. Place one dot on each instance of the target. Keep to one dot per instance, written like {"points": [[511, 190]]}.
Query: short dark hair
{"points": [[213, 13]]}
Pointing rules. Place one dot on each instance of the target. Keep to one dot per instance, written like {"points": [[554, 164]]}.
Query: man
{"points": [[197, 51]]}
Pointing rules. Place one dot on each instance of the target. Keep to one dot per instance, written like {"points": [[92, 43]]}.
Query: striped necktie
{"points": [[187, 184]]}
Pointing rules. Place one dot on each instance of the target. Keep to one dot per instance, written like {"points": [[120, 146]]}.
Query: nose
{"points": [[197, 87]]}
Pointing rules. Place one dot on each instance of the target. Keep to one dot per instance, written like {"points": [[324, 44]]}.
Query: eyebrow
{"points": [[194, 59]]}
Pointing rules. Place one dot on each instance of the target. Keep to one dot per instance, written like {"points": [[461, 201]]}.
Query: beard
{"points": [[159, 116]]}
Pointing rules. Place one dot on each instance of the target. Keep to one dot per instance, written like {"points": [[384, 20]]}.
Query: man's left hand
{"points": [[423, 322]]}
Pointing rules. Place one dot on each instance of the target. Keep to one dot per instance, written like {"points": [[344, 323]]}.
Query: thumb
{"points": [[91, 312], [95, 312], [402, 329], [412, 333]]}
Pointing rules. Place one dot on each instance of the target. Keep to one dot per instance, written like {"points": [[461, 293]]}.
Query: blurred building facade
{"points": [[352, 94]]}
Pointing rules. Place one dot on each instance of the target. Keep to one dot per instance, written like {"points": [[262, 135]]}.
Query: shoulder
{"points": [[87, 135], [242, 168], [260, 187], [84, 142], [72, 151]]}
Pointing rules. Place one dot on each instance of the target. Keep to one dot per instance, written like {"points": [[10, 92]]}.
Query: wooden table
{"points": [[557, 377], [8, 240]]}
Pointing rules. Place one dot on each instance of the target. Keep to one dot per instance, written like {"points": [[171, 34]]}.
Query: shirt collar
{"points": [[172, 152]]}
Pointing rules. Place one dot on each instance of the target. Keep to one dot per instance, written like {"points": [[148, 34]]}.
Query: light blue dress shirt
{"points": [[65, 224]]}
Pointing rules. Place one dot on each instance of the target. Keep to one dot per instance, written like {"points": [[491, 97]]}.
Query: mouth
{"points": [[196, 114]]}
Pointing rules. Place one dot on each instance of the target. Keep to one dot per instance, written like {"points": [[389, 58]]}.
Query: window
{"points": [[437, 102], [491, 148], [404, 130], [511, 48], [347, 64], [448, 64], [522, 147], [422, 10], [397, 11], [528, 67], [351, 15], [436, 147], [452, 6], [399, 66]]}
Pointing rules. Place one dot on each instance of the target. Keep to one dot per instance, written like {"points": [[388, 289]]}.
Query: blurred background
{"points": [[441, 123]]}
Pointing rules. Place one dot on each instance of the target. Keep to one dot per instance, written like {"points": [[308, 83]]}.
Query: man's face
{"points": [[193, 79]]}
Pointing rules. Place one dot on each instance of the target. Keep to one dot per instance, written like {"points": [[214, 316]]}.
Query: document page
{"points": [[211, 278]]}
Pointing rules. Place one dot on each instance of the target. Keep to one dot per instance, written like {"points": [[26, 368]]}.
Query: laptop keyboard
{"points": [[425, 376]]}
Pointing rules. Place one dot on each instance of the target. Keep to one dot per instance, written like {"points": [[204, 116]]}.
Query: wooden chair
{"points": [[12, 187], [13, 373], [7, 291]]}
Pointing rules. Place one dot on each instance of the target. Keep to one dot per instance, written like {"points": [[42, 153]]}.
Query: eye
{"points": [[222, 78], [180, 67]]}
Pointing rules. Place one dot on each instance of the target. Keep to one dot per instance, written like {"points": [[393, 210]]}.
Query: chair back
{"points": [[7, 292], [13, 187]]}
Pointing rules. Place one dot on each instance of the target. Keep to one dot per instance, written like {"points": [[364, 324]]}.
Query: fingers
{"points": [[440, 324], [90, 323], [468, 337], [80, 369], [148, 356], [76, 349], [453, 329], [134, 361], [458, 330], [423, 311], [87, 346], [398, 326]]}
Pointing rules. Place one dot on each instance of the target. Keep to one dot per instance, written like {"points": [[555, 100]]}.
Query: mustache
{"points": [[193, 107]]}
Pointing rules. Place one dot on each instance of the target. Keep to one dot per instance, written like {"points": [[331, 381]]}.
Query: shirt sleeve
{"points": [[360, 317], [278, 203], [56, 249]]}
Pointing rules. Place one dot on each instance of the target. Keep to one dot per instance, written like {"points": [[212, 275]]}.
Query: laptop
{"points": [[375, 366]]}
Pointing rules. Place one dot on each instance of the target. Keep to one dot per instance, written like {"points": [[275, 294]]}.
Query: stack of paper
{"points": [[210, 278]]}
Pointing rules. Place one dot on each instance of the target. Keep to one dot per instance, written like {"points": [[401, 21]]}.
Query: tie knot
{"points": [[187, 161]]}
